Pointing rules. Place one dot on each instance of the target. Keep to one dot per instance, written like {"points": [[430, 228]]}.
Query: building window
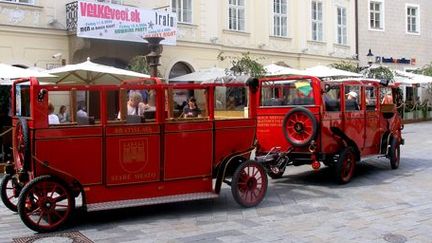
{"points": [[317, 21], [280, 17], [341, 26], [20, 1], [413, 16], [183, 8], [236, 15], [376, 15]]}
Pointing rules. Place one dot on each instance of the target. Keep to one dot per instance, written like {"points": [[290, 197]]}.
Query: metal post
{"points": [[154, 55]]}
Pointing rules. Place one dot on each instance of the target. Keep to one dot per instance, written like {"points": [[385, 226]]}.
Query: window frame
{"points": [[417, 18], [342, 38], [280, 16], [179, 11], [381, 12], [319, 22], [238, 9]]}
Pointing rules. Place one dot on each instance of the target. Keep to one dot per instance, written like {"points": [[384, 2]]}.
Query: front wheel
{"points": [[249, 184], [345, 165], [10, 191], [45, 204], [394, 154]]}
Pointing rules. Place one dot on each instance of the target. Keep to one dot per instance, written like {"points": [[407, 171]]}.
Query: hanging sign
{"points": [[124, 23]]}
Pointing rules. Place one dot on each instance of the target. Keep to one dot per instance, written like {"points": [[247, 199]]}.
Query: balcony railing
{"points": [[71, 16]]}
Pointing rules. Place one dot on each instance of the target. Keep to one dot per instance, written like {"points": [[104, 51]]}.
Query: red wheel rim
{"points": [[48, 204], [299, 127], [12, 192], [348, 167], [20, 145], [251, 184]]}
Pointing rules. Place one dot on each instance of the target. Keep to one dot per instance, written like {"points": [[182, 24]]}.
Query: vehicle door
{"points": [[354, 114], [372, 124], [73, 139], [133, 136], [332, 117], [188, 134]]}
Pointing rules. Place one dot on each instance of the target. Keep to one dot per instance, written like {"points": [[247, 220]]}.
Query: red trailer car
{"points": [[303, 120], [116, 157]]}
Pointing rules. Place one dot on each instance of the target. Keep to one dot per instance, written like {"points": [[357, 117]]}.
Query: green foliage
{"points": [[427, 71], [346, 66], [380, 72], [245, 64], [139, 64]]}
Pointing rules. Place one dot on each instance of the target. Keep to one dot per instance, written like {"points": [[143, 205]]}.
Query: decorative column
{"points": [[155, 53]]}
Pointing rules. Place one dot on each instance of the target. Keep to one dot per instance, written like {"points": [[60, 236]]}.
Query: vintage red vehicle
{"points": [[303, 120], [114, 159]]}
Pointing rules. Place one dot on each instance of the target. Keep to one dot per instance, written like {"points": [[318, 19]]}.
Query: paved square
{"points": [[379, 205]]}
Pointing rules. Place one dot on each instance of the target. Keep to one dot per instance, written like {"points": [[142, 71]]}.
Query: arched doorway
{"points": [[179, 69]]}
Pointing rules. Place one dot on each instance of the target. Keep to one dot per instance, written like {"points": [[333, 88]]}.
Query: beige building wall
{"points": [[198, 43]]}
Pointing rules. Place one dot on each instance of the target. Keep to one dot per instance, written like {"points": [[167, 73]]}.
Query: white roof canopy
{"points": [[92, 73], [276, 70], [202, 75], [411, 78], [10, 72], [326, 72]]}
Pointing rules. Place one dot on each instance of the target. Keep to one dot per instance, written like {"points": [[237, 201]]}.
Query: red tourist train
{"points": [[303, 120], [138, 143]]}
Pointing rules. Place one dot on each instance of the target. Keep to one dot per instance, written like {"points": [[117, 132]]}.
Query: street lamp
{"points": [[370, 57]]}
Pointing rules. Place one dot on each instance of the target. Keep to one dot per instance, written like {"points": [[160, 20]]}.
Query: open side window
{"points": [[230, 102], [186, 104], [22, 100], [371, 98], [286, 93], [332, 99], [131, 106], [353, 98]]}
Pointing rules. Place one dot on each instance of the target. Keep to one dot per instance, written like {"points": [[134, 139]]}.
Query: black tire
{"points": [[9, 192], [47, 205], [394, 154], [249, 184], [24, 150], [345, 165], [299, 128], [276, 175]]}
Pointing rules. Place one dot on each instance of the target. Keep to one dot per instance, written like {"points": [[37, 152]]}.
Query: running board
{"points": [[150, 201]]}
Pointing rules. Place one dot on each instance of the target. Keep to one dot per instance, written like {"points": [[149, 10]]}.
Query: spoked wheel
{"points": [[10, 190], [45, 204], [345, 166], [22, 144], [394, 154], [249, 184], [299, 126], [275, 172]]}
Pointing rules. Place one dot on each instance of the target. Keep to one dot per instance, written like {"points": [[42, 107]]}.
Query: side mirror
{"points": [[41, 95], [384, 82]]}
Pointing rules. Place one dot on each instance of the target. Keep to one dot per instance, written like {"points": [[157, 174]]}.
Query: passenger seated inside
{"points": [[331, 104], [82, 116], [63, 116], [388, 98], [135, 107], [52, 118], [351, 103], [191, 109]]}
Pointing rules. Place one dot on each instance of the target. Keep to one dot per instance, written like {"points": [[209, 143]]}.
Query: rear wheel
{"points": [[9, 192], [249, 184], [45, 204], [345, 166], [22, 158], [394, 154]]}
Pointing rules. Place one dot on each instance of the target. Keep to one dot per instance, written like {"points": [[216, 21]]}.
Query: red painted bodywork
{"points": [[172, 157], [364, 127]]}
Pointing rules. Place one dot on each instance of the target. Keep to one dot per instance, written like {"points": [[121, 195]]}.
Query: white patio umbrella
{"points": [[92, 73], [276, 70], [10, 72], [411, 78], [202, 75], [327, 72]]}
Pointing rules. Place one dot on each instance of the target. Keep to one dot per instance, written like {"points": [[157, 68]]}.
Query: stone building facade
{"points": [[299, 33]]}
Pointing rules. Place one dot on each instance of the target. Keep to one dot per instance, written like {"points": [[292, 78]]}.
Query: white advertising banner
{"points": [[124, 23]]}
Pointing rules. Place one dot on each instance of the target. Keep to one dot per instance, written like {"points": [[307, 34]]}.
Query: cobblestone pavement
{"points": [[379, 205]]}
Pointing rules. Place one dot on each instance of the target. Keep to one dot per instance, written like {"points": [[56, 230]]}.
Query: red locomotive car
{"points": [[128, 145], [303, 120]]}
